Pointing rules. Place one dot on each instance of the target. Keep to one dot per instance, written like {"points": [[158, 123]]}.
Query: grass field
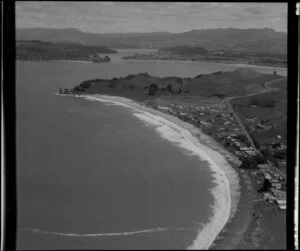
{"points": [[280, 85], [275, 116]]}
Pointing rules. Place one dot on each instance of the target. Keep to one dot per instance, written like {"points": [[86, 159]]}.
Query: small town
{"points": [[214, 56], [218, 122]]}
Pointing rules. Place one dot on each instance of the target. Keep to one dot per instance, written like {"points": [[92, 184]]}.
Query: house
{"points": [[263, 166], [280, 201], [217, 53], [244, 148], [282, 207], [267, 176], [277, 185]]}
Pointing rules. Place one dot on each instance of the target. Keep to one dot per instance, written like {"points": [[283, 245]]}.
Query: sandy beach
{"points": [[193, 141]]}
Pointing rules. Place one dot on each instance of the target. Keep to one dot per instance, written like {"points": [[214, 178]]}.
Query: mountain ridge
{"points": [[243, 40]]}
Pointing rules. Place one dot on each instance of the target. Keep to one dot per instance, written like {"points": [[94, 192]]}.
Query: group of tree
{"points": [[242, 138], [97, 59], [253, 162], [280, 154], [154, 90], [263, 103], [267, 185], [219, 95]]}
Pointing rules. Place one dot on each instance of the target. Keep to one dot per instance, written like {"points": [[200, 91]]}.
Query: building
{"points": [[267, 176], [282, 207], [277, 185]]}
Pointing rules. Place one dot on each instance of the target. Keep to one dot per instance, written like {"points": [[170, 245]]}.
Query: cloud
{"points": [[107, 3], [150, 16]]}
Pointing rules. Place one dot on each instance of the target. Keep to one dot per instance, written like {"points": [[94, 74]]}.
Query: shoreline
{"points": [[168, 61], [221, 162], [208, 62], [58, 60]]}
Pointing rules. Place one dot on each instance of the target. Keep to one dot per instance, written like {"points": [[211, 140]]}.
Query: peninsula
{"points": [[35, 50]]}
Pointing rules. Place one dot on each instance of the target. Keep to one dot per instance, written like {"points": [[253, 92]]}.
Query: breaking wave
{"points": [[144, 231]]}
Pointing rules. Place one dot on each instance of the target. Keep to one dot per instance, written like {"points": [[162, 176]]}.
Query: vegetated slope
{"points": [[236, 83], [134, 86], [269, 108], [280, 84], [219, 84], [242, 40], [47, 50]]}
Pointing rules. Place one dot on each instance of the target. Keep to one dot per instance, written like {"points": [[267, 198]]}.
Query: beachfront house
{"points": [[281, 204]]}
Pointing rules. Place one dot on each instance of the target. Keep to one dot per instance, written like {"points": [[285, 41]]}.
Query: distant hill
{"points": [[235, 83], [40, 50], [240, 40]]}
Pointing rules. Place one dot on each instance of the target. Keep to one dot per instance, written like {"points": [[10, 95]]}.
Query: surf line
{"points": [[151, 230]]}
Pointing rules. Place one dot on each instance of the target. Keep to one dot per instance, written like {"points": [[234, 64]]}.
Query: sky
{"points": [[126, 17]]}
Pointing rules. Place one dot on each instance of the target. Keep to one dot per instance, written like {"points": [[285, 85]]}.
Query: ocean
{"points": [[94, 176]]}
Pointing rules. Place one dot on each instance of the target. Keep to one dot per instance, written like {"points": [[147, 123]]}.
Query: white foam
{"points": [[151, 230], [221, 208], [225, 194]]}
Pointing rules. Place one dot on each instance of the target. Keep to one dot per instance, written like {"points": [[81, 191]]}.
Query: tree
{"points": [[112, 84], [276, 145], [106, 59], [281, 154], [242, 138], [267, 185], [253, 162], [169, 88], [153, 89], [78, 89], [86, 84], [131, 86]]}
